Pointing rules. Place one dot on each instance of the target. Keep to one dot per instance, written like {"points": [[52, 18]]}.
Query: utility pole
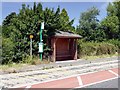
{"points": [[41, 41]]}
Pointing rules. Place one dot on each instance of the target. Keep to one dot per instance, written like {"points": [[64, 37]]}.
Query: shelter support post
{"points": [[54, 49], [75, 55]]}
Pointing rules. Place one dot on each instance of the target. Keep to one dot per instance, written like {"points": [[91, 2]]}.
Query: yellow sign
{"points": [[31, 36]]}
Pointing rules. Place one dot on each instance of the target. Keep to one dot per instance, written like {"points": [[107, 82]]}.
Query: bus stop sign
{"points": [[40, 47]]}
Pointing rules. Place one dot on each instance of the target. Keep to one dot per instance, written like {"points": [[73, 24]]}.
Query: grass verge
{"points": [[100, 56], [13, 67]]}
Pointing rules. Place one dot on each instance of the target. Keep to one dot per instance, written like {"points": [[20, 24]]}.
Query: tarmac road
{"points": [[107, 84]]}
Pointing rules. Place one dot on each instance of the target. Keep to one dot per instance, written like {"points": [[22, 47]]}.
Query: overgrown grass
{"points": [[13, 67], [100, 56]]}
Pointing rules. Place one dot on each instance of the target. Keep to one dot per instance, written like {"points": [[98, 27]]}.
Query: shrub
{"points": [[115, 42], [94, 48], [106, 48], [7, 50]]}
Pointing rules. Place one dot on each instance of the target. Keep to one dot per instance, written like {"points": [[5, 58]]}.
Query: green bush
{"points": [[105, 48], [115, 42], [94, 48], [87, 49], [7, 50]]}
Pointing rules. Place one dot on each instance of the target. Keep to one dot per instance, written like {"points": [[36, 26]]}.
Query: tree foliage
{"points": [[18, 27], [89, 26], [94, 30], [65, 21], [111, 23], [7, 50]]}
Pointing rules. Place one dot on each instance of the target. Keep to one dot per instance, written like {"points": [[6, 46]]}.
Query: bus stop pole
{"points": [[41, 41]]}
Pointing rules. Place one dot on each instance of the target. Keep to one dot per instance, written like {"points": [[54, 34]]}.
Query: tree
{"points": [[111, 28], [18, 28], [89, 26], [111, 23], [11, 42], [65, 22], [8, 26], [7, 50]]}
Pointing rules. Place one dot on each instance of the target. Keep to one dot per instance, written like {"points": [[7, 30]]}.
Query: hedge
{"points": [[94, 48]]}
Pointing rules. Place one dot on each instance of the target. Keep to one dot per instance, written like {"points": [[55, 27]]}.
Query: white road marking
{"points": [[96, 82], [27, 87], [54, 79], [79, 80], [113, 73]]}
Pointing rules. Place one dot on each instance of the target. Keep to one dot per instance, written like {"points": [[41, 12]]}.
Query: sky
{"points": [[74, 9]]}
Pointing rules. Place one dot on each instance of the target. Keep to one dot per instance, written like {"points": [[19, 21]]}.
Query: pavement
{"points": [[78, 81]]}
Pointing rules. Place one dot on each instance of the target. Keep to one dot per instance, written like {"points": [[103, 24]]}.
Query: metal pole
{"points": [[31, 48], [40, 42]]}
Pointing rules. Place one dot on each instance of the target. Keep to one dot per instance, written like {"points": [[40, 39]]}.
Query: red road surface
{"points": [[63, 83], [95, 77], [72, 82], [116, 70]]}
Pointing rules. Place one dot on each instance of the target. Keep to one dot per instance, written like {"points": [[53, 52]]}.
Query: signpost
{"points": [[41, 41], [31, 36]]}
